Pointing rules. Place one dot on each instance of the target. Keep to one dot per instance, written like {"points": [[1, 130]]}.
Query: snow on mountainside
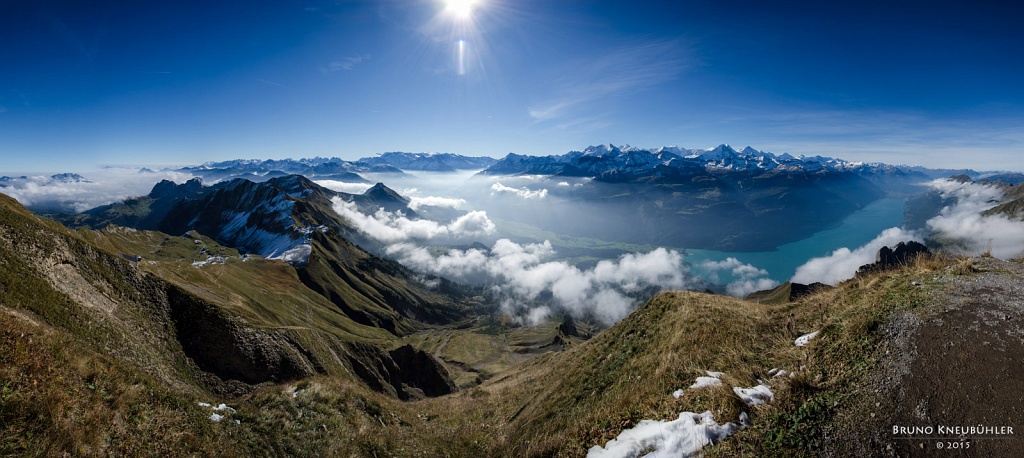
{"points": [[628, 161], [256, 218]]}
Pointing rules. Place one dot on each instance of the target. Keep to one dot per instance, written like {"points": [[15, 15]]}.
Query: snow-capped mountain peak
{"points": [[609, 162]]}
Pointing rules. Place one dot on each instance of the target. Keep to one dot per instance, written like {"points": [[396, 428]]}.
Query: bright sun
{"points": [[461, 9]]}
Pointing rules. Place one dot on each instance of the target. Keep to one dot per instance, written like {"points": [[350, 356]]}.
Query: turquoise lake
{"points": [[857, 229]]}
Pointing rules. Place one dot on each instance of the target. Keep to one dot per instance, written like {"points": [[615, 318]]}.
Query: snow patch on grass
{"points": [[804, 339], [753, 396], [711, 380], [688, 434], [220, 412], [210, 260], [684, 436]]}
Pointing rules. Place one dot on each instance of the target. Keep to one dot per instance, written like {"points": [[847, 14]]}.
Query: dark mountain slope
{"points": [[144, 212], [292, 218]]}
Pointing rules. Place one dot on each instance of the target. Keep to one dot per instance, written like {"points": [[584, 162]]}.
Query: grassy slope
{"points": [[561, 404], [78, 384], [268, 294]]}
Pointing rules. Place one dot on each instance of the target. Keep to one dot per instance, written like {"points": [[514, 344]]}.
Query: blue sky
{"points": [[933, 83]]}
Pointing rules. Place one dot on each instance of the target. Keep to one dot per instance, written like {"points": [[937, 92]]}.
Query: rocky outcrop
{"points": [[568, 327], [167, 189], [891, 258]]}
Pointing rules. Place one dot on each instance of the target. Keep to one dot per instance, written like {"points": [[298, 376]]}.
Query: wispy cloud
{"points": [[346, 64], [616, 72]]}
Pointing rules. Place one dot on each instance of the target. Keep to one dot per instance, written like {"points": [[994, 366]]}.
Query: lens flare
{"points": [[460, 57], [462, 9]]}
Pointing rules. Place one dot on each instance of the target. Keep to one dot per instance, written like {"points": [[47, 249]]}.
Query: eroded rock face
{"points": [[404, 372], [228, 348], [421, 371]]}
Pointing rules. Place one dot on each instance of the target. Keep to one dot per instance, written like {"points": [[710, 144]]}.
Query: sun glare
{"points": [[461, 9]]}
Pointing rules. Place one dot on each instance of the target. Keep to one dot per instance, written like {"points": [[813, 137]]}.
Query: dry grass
{"points": [[59, 397]]}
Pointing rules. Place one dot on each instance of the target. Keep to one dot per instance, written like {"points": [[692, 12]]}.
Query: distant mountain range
{"points": [[667, 164], [607, 163], [6, 181], [263, 170], [661, 196], [335, 168], [433, 162], [603, 162]]}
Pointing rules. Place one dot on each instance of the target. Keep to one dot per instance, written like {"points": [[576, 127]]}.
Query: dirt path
{"points": [[447, 338], [956, 365]]}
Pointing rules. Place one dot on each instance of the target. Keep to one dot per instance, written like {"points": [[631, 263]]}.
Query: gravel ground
{"points": [[956, 363]]}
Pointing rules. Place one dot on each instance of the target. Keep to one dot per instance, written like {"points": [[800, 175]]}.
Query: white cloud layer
{"points": [[104, 186], [746, 277], [393, 227], [523, 192], [341, 186], [843, 263], [531, 286], [433, 201], [520, 274], [973, 233]]}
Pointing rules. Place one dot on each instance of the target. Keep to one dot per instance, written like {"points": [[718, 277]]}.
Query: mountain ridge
{"points": [[291, 218]]}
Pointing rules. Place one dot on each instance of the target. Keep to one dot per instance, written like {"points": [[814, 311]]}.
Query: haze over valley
{"points": [[592, 233]]}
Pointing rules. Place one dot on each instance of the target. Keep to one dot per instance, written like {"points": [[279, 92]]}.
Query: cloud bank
{"points": [[522, 277], [960, 227], [528, 283], [746, 277], [523, 192], [963, 225], [843, 263], [102, 187], [341, 186], [393, 227]]}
